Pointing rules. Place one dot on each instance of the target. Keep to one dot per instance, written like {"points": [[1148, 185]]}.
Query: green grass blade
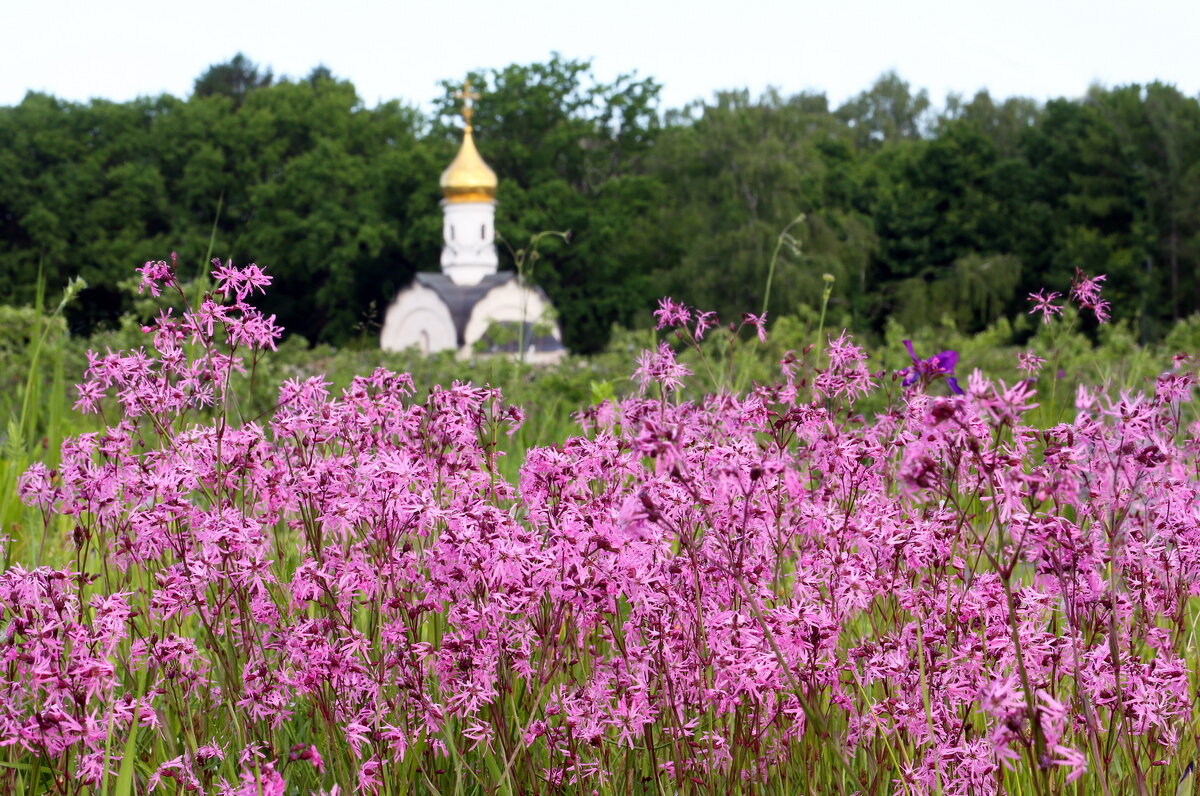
{"points": [[124, 784]]}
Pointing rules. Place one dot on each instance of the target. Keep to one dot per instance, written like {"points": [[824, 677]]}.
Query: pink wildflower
{"points": [[156, 274], [1030, 362], [759, 322], [659, 367], [1073, 760], [1043, 303], [1086, 291], [671, 313]]}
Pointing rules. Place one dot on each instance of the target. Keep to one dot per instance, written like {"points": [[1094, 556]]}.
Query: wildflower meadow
{"points": [[844, 580]]}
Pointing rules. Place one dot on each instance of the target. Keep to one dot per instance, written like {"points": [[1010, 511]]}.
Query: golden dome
{"points": [[468, 178]]}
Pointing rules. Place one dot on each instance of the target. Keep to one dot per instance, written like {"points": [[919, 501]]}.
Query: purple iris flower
{"points": [[926, 370]]}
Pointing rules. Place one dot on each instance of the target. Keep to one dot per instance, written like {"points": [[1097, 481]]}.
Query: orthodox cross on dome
{"points": [[468, 97]]}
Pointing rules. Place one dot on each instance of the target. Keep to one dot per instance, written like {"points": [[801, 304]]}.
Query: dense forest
{"points": [[918, 212]]}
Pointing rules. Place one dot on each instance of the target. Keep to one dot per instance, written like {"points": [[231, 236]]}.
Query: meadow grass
{"points": [[38, 404]]}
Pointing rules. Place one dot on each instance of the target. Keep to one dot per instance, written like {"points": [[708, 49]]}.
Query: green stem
{"points": [[783, 236]]}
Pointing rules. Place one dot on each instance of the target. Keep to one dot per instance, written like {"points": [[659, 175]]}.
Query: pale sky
{"points": [[121, 49]]}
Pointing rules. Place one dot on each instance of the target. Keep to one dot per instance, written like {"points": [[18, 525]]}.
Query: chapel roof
{"points": [[461, 301]]}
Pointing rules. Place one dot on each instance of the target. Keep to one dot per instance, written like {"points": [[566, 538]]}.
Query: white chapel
{"points": [[471, 307]]}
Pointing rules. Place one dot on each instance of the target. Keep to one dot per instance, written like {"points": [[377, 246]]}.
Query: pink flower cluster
{"points": [[1085, 291], [727, 590]]}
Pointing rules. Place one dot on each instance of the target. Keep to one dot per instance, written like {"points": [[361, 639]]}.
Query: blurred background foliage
{"points": [[943, 218]]}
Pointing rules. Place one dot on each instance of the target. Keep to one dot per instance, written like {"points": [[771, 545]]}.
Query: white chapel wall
{"points": [[418, 317], [510, 302]]}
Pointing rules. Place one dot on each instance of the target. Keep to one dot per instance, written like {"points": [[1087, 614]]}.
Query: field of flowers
{"points": [[761, 591]]}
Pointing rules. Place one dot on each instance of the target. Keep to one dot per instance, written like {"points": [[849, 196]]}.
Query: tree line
{"points": [[918, 213]]}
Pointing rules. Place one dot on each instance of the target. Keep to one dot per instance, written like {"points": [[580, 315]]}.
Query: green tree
{"points": [[738, 172], [1118, 173], [950, 214], [1004, 124], [915, 215], [886, 113], [235, 79], [312, 203], [82, 194]]}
